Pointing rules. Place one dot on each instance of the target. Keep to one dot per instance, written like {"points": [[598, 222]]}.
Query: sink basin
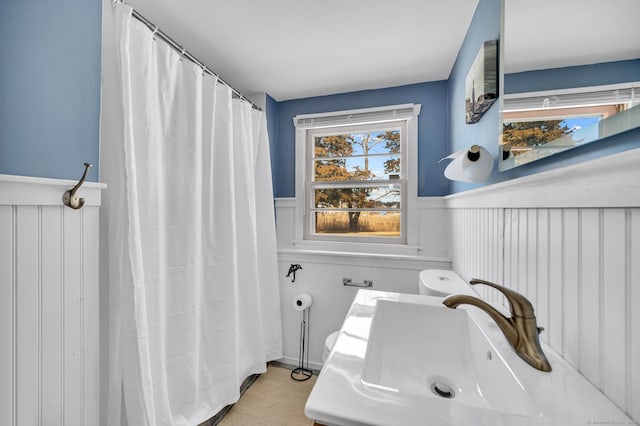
{"points": [[406, 360], [431, 352]]}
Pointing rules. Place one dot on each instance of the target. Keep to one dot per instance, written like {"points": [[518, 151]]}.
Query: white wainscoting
{"points": [[578, 262], [324, 269], [49, 360]]}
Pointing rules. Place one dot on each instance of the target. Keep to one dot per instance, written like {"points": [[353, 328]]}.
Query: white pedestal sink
{"points": [[403, 359], [443, 355]]}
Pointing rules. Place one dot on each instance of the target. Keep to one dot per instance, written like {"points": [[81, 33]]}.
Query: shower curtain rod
{"points": [[183, 52]]}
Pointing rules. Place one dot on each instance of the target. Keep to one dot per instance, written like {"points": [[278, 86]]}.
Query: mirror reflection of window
{"points": [[540, 124]]}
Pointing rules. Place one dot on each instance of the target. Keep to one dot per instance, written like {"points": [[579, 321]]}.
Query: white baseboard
{"points": [[293, 363]]}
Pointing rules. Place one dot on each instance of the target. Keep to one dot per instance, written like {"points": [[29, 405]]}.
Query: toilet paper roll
{"points": [[470, 165], [302, 301]]}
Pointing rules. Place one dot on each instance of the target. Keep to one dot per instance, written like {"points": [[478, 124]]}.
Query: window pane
{"points": [[381, 224], [355, 182], [365, 143], [358, 168], [387, 197]]}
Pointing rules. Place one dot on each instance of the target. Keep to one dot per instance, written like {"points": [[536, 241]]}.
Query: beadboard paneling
{"points": [[323, 271], [633, 319], [7, 316], [468, 245], [577, 266], [27, 315], [52, 313], [614, 309], [49, 361]]}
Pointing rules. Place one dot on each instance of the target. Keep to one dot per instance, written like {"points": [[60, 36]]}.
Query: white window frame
{"points": [[404, 116]]}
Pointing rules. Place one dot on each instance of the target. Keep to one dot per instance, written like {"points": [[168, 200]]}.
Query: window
{"points": [[355, 181]]}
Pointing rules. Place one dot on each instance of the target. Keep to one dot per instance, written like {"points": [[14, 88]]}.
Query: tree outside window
{"points": [[357, 183]]}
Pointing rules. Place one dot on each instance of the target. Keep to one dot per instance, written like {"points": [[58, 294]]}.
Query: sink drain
{"points": [[442, 390]]}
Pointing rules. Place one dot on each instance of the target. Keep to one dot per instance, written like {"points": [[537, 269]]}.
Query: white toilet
{"points": [[431, 282], [442, 283], [328, 345]]}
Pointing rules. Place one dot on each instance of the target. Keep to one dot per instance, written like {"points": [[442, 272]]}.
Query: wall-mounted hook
{"points": [[292, 271], [70, 199]]}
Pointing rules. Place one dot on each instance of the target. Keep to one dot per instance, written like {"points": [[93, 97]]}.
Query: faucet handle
{"points": [[518, 304]]}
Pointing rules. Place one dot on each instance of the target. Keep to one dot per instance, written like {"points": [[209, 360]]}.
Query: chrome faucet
{"points": [[521, 329]]}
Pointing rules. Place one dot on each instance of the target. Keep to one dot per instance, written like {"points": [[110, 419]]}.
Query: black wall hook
{"points": [[292, 270]]}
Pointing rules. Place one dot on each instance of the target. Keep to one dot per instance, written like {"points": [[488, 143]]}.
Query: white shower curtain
{"points": [[192, 269]]}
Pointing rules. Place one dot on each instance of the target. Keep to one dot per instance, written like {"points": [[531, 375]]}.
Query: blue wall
{"points": [[578, 76], [49, 87], [441, 129], [50, 100], [485, 26], [432, 130], [271, 111]]}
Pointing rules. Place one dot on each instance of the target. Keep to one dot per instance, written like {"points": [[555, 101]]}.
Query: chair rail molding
{"points": [[612, 181], [35, 191]]}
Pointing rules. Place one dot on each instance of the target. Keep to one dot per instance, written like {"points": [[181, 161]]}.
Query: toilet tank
{"points": [[442, 283]]}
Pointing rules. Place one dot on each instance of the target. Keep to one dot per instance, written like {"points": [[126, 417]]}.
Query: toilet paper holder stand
{"points": [[302, 372]]}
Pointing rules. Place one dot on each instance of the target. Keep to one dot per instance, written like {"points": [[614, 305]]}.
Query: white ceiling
{"points": [[300, 48]]}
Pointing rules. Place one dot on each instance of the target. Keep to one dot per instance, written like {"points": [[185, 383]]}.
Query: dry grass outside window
{"points": [[369, 223]]}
